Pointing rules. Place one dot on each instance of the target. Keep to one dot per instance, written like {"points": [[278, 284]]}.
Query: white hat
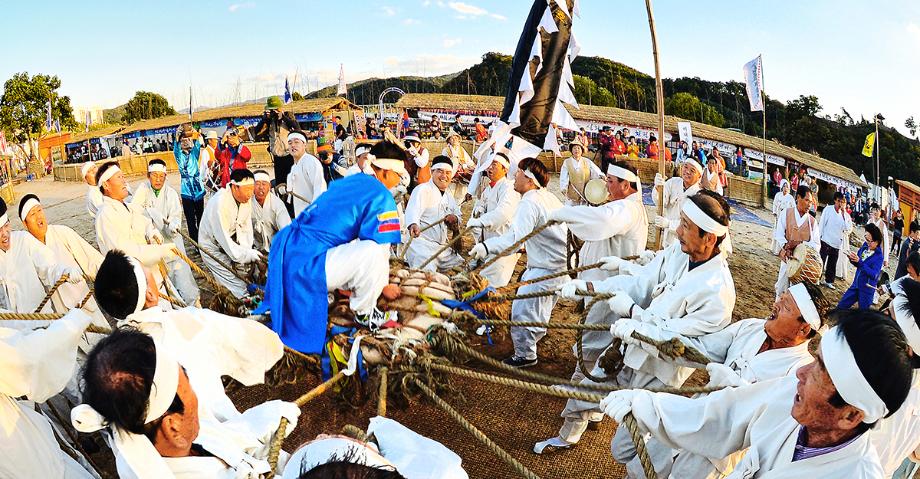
{"points": [[210, 135], [412, 138], [86, 168]]}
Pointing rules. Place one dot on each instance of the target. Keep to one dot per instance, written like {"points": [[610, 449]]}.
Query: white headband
{"points": [[906, 321], [391, 164], [412, 138], [108, 174], [622, 173], [443, 166], [806, 305], [530, 175], [849, 381], [4, 219], [362, 150], [26, 208], [695, 164], [262, 177], [297, 136], [156, 168], [318, 452], [86, 167], [135, 449], [141, 277], [243, 182], [702, 220], [501, 160]]}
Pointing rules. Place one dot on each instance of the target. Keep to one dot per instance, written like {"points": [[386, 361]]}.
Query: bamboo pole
{"points": [[763, 101], [659, 94]]}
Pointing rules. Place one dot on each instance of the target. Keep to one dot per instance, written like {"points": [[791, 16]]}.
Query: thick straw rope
{"points": [[275, 448], [514, 247], [402, 255], [443, 248], [64, 277], [214, 257], [382, 393], [208, 278], [479, 435], [559, 274], [537, 324]]}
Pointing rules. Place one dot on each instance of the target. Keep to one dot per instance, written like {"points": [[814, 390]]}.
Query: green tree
{"points": [[24, 106], [146, 105], [296, 96], [588, 93], [685, 105]]}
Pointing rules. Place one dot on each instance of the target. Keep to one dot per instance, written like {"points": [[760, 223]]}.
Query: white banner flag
{"points": [[753, 81], [342, 88], [683, 130]]}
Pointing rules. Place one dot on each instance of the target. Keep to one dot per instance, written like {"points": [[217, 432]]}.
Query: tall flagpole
{"points": [[763, 101], [659, 93], [878, 184]]}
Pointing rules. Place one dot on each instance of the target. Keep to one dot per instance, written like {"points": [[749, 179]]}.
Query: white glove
{"points": [[252, 256], [621, 304], [721, 375], [569, 289], [659, 180], [662, 222], [612, 263], [646, 257], [166, 251], [74, 275], [618, 404], [281, 189], [479, 251], [474, 223]]}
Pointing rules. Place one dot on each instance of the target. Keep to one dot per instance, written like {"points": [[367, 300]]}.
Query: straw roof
{"points": [[241, 111], [106, 131], [603, 114]]}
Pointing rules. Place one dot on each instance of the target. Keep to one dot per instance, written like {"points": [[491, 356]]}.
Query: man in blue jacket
{"points": [[340, 241], [187, 149], [868, 261]]}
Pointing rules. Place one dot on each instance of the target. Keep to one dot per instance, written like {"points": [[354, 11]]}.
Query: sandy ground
{"points": [[515, 420]]}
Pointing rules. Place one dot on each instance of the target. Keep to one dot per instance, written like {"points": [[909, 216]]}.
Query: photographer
{"points": [[274, 128]]}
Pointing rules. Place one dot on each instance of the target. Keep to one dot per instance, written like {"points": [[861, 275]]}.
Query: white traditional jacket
{"points": [[497, 206], [72, 250], [226, 226], [306, 180], [679, 301], [26, 270], [36, 365], [268, 219], [898, 437], [674, 196], [164, 209], [427, 205], [124, 226], [545, 250], [756, 417]]}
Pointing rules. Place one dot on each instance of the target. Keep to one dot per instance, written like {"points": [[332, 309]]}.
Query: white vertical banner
{"points": [[684, 131], [753, 82], [342, 89]]}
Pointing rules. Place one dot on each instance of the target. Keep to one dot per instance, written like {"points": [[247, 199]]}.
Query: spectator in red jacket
{"points": [[231, 154], [607, 147]]}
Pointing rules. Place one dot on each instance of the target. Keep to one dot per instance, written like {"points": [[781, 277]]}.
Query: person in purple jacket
{"points": [[868, 261]]}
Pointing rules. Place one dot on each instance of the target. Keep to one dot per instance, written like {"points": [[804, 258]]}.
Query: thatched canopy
{"points": [[315, 105], [109, 130], [603, 114]]}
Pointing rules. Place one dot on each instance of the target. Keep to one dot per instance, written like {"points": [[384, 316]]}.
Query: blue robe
{"points": [[867, 273], [356, 207]]}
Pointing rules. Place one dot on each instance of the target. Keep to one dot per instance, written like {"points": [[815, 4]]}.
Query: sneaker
{"points": [[551, 445], [483, 329], [517, 362], [372, 320], [829, 286]]}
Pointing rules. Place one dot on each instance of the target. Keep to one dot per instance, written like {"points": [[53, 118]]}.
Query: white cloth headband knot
{"points": [[26, 208], [156, 168], [702, 220], [849, 381], [806, 305], [530, 175]]}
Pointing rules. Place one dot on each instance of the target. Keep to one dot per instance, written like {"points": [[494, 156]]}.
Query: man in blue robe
{"points": [[341, 241]]}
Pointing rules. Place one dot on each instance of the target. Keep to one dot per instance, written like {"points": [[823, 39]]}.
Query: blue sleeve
{"points": [[177, 152]]}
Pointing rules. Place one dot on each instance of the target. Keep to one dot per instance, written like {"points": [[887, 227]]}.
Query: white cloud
{"points": [[428, 64], [238, 6], [914, 31], [466, 10], [426, 3], [451, 42], [410, 21], [388, 11]]}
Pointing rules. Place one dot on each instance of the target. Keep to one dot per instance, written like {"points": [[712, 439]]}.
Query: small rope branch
{"points": [[402, 255], [479, 435], [382, 393], [517, 245], [445, 246]]}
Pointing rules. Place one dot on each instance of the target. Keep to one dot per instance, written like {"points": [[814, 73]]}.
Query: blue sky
{"points": [[862, 55]]}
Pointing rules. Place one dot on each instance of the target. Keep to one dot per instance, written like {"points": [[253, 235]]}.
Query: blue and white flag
{"points": [[753, 82], [57, 126], [287, 92], [48, 116]]}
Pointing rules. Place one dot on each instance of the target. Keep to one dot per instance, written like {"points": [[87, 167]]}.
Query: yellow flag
{"points": [[869, 146]]}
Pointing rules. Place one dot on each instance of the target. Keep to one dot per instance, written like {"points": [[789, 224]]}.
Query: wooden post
{"points": [[763, 100], [659, 94]]}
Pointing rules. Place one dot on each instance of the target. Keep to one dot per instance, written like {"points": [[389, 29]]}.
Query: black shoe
{"points": [[517, 362]]}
